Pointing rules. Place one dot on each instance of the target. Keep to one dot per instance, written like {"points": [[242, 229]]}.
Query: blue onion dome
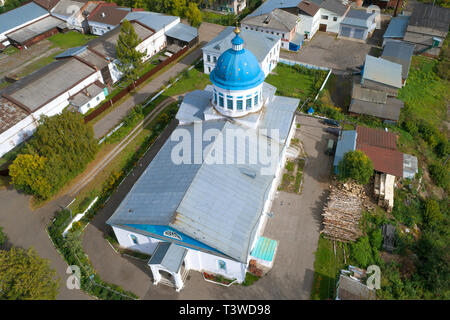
{"points": [[237, 68]]}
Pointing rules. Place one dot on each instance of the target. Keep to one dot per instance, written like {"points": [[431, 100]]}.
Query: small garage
{"points": [[358, 25]]}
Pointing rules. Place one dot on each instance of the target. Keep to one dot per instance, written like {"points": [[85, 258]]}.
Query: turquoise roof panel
{"points": [[264, 249]]}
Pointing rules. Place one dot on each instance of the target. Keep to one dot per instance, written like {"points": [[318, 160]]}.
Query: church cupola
{"points": [[237, 79]]}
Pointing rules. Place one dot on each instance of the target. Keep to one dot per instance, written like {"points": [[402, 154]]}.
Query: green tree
{"points": [[194, 15], [28, 174], [357, 166], [130, 59], [61, 146], [26, 276], [361, 252], [3, 238], [432, 214]]}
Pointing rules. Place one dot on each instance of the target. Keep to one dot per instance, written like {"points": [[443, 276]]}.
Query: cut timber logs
{"points": [[342, 212]]}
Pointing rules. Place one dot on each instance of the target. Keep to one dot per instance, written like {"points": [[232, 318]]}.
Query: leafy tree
{"points": [[357, 166], [130, 59], [26, 276], [3, 238], [28, 173], [361, 252], [61, 148], [432, 214], [194, 15], [440, 175]]}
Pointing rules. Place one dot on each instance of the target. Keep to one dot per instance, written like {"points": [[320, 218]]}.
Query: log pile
{"points": [[342, 212]]}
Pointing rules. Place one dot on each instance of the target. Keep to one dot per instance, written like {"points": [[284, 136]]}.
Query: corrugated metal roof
{"points": [[346, 143], [351, 289], [257, 42], [389, 110], [383, 71], [264, 249], [359, 18], [376, 137], [168, 255], [384, 160], [430, 16], [308, 7], [270, 5], [368, 95], [21, 15], [335, 6], [410, 166], [71, 52], [35, 29], [397, 27], [277, 19], [399, 52], [182, 32], [156, 21]]}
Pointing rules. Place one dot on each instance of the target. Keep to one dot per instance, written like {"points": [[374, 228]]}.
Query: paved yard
{"points": [[325, 50], [296, 224]]}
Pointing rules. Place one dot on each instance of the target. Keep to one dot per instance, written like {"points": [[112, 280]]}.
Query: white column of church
{"points": [[156, 275]]}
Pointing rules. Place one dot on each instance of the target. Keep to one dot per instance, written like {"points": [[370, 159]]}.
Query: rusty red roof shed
{"points": [[384, 160], [376, 137]]}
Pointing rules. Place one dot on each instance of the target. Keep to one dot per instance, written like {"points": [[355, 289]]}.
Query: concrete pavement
{"points": [[207, 32]]}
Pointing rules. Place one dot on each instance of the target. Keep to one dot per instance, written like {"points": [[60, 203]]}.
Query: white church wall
{"points": [[144, 243]]}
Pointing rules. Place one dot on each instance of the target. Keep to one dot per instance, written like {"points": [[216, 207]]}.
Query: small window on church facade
{"points": [[248, 104], [239, 104], [215, 59], [222, 265], [256, 100], [172, 234], [134, 239], [215, 98], [208, 57], [221, 102], [230, 104]]}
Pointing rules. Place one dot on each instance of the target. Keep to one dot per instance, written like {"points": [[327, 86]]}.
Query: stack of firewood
{"points": [[342, 212]]}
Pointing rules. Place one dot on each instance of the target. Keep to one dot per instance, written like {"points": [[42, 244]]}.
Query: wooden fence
{"points": [[109, 103]]}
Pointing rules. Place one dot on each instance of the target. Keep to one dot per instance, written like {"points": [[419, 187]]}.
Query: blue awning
{"points": [[264, 249]]}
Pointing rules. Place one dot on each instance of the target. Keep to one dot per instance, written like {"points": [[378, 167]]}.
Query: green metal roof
{"points": [[264, 249]]}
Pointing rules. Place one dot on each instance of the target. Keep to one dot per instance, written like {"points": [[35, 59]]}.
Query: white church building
{"points": [[203, 202]]}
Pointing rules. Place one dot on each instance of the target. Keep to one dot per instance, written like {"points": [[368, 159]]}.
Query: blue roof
{"points": [[21, 15], [264, 249], [345, 144], [397, 27], [71, 52], [182, 32], [237, 70], [271, 5]]}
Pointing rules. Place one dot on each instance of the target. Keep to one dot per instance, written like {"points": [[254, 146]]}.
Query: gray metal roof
{"points": [[34, 29], [182, 32], [277, 19], [21, 15], [193, 106], [87, 94], [399, 52], [359, 18], [389, 110], [48, 82], [383, 71], [369, 95], [397, 27], [270, 5], [156, 21], [257, 42], [278, 114], [71, 52], [430, 16], [68, 7], [222, 215], [351, 289], [335, 6], [346, 143], [168, 255], [410, 166]]}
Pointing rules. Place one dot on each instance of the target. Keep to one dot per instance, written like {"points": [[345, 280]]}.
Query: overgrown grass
{"points": [[70, 39], [10, 50], [296, 81], [249, 279], [327, 266], [217, 18]]}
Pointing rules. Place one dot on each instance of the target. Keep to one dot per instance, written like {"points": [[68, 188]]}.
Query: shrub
{"points": [[357, 166], [432, 214], [376, 238], [361, 252], [439, 174]]}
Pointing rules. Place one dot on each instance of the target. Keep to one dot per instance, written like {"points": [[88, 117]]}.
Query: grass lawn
{"points": [[425, 93], [295, 82], [327, 267], [10, 50], [217, 18], [70, 39]]}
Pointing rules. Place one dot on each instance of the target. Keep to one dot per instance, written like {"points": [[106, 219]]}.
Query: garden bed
{"points": [[293, 176], [215, 278]]}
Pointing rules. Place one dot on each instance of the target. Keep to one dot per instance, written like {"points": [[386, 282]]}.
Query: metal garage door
{"points": [[345, 31], [359, 34]]}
